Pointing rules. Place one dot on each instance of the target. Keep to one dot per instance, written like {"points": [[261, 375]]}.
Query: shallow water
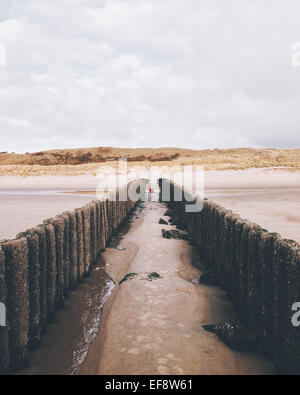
{"points": [[210, 193], [162, 320], [20, 210], [275, 209], [33, 192], [155, 327], [67, 341]]}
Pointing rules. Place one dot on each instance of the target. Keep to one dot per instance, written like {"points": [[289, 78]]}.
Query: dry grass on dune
{"points": [[87, 161]]}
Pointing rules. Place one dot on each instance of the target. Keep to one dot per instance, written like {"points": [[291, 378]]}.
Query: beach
{"points": [[149, 189], [132, 333], [269, 197], [153, 325]]}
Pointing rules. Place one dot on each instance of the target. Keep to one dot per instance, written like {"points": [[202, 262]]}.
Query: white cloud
{"points": [[2, 55], [149, 73]]}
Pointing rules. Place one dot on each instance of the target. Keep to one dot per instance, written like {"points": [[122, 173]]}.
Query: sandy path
{"points": [[154, 327]]}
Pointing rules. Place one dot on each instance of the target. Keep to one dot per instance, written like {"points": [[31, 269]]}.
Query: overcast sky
{"points": [[149, 73]]}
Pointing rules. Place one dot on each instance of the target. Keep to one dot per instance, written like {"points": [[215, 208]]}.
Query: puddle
{"points": [[67, 341]]}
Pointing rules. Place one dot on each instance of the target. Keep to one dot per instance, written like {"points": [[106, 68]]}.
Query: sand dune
{"points": [[87, 160]]}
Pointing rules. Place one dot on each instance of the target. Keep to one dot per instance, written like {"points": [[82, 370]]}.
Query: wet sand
{"points": [[67, 341], [24, 210], [148, 327], [277, 210], [155, 327], [269, 197]]}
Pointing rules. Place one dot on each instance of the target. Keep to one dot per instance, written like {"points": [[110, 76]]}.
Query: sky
{"points": [[149, 73]]}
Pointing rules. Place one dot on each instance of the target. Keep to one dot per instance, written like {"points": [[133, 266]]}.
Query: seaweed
{"points": [[149, 277], [128, 276], [153, 276]]}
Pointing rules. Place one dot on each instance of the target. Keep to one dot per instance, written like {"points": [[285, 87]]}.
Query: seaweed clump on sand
{"points": [[149, 277], [174, 219], [174, 234], [163, 222], [153, 276], [128, 276], [235, 336], [209, 278], [170, 213]]}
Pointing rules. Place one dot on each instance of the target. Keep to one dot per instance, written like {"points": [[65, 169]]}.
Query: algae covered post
{"points": [[16, 259], [4, 341], [41, 266], [34, 288], [259, 270], [51, 271]]}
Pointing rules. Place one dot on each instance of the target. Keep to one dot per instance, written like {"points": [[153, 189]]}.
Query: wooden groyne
{"points": [[259, 270], [40, 266]]}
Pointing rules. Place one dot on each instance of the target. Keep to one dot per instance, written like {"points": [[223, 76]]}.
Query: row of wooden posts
{"points": [[41, 265], [259, 270]]}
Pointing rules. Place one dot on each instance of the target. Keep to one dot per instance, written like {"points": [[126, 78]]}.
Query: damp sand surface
{"points": [[20, 210], [276, 210], [268, 196], [155, 327], [67, 341]]}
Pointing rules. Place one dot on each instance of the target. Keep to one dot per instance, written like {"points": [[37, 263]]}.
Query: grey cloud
{"points": [[149, 73]]}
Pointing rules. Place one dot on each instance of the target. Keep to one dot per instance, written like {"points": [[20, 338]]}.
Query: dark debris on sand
{"points": [[174, 234], [163, 222], [235, 336], [209, 278]]}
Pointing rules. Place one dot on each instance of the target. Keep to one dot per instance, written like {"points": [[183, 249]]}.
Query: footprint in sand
{"points": [[161, 323], [178, 369], [145, 317], [172, 357], [163, 361], [134, 351], [151, 346], [163, 370]]}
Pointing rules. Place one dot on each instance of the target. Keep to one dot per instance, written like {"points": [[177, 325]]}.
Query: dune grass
{"points": [[88, 161]]}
